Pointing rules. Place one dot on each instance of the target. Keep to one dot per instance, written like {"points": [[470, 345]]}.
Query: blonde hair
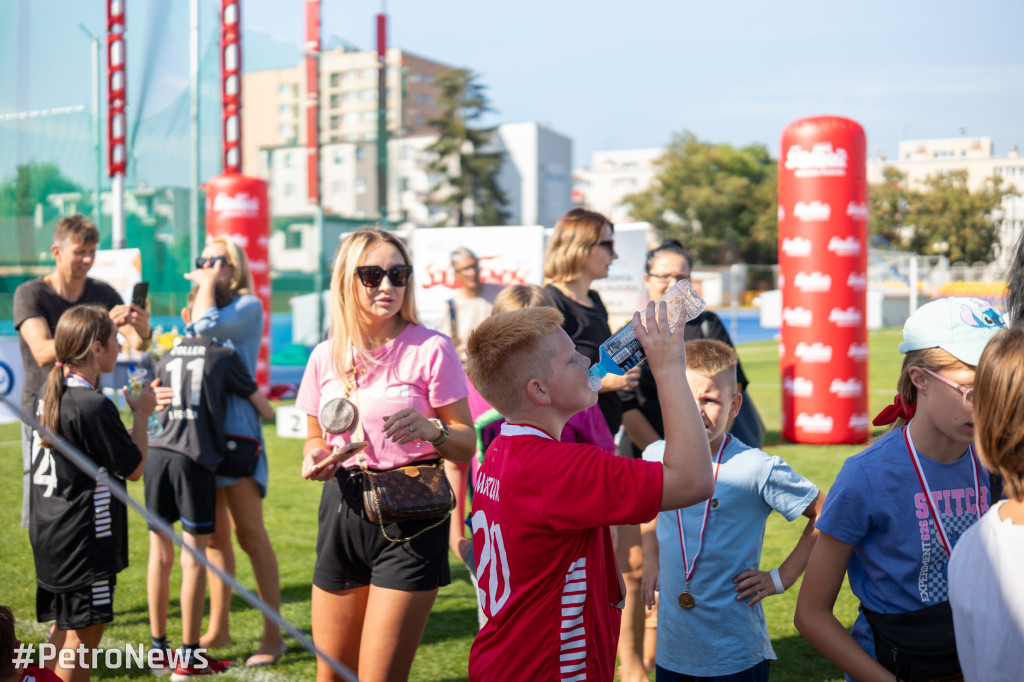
{"points": [[241, 276], [349, 321], [77, 329], [935, 359], [519, 296], [575, 235], [999, 409], [710, 357], [508, 349]]}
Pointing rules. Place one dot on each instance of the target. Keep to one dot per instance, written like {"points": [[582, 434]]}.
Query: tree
{"points": [[951, 219], [33, 183], [943, 217], [721, 202], [889, 204], [468, 169]]}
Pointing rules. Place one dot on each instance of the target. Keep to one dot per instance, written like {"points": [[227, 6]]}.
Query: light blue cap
{"points": [[960, 326]]}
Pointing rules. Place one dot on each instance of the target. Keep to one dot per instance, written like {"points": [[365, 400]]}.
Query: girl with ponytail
{"points": [[897, 510], [79, 532]]}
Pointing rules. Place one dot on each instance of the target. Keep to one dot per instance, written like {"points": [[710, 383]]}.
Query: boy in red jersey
{"points": [[548, 580]]}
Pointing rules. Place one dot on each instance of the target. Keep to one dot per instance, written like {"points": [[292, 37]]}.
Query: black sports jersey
{"points": [[78, 530], [35, 298], [202, 373]]}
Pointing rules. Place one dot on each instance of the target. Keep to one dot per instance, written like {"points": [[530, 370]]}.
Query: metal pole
{"points": [[735, 275], [382, 119], [117, 102], [913, 283], [318, 273], [312, 69], [193, 202], [97, 134]]}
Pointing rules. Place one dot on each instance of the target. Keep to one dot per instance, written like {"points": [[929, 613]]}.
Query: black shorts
{"points": [[79, 608], [178, 488], [352, 552]]}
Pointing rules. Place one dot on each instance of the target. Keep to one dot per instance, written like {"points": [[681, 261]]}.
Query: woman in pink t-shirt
{"points": [[406, 389]]}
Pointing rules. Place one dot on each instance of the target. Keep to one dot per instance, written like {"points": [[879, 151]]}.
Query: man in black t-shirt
{"points": [[179, 478], [40, 302]]}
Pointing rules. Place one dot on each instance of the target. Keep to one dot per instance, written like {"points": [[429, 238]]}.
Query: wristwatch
{"points": [[443, 428]]}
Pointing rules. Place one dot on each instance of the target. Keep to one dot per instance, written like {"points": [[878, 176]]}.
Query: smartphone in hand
{"points": [[140, 293], [344, 452]]}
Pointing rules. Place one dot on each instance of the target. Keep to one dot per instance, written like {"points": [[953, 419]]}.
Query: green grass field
{"points": [[291, 518]]}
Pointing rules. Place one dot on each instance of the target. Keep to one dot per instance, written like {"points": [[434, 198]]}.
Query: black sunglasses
{"points": [[373, 275], [608, 244], [212, 261]]}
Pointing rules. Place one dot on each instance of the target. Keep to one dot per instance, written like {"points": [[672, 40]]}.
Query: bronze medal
{"points": [[338, 416], [687, 601]]}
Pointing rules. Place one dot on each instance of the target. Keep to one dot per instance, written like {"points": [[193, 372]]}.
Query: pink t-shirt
{"points": [[548, 580], [419, 369]]}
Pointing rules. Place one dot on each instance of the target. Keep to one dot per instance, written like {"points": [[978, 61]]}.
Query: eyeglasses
{"points": [[677, 276], [211, 261], [372, 275], [966, 391], [467, 268], [608, 244]]}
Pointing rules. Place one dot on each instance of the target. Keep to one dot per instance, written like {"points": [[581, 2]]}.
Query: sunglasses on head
{"points": [[373, 275], [211, 261]]}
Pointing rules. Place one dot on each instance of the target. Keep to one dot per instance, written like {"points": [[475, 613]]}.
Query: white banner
{"points": [[507, 255], [120, 268], [623, 290], [12, 376]]}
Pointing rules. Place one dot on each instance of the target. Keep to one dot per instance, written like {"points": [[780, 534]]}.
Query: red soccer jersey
{"points": [[548, 579]]}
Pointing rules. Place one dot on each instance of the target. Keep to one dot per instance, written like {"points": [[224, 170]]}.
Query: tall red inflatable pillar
{"points": [[823, 355], [237, 208]]}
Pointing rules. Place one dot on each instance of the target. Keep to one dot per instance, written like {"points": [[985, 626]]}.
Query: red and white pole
{"points": [[312, 63], [231, 83], [117, 124]]}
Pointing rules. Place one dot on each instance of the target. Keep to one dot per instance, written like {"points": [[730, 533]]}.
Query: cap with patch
{"points": [[959, 326]]}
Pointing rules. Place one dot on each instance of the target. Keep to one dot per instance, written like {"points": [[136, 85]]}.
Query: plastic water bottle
{"points": [[136, 382], [622, 351]]}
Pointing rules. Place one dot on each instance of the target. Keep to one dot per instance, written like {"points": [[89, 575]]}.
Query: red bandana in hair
{"points": [[898, 410]]}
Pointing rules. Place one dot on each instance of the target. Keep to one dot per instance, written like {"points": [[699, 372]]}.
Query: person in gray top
{"points": [[39, 303]]}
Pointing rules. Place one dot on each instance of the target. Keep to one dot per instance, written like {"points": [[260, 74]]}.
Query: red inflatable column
{"points": [[823, 278], [237, 208]]}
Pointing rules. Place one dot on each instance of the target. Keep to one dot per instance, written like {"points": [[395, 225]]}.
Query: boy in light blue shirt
{"points": [[711, 624]]}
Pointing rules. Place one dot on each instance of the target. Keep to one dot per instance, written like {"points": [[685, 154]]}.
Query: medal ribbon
{"points": [[688, 571], [943, 537]]}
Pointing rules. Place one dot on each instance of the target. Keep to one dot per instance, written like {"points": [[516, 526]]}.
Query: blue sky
{"points": [[611, 75], [616, 75]]}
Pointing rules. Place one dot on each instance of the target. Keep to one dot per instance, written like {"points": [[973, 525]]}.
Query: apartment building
{"points": [[611, 177], [920, 159], [274, 101], [535, 177]]}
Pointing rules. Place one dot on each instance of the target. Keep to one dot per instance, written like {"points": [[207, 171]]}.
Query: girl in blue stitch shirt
{"points": [[897, 509]]}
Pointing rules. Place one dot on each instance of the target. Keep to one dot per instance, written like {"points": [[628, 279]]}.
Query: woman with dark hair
{"points": [[225, 308], [383, 380], [666, 264]]}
